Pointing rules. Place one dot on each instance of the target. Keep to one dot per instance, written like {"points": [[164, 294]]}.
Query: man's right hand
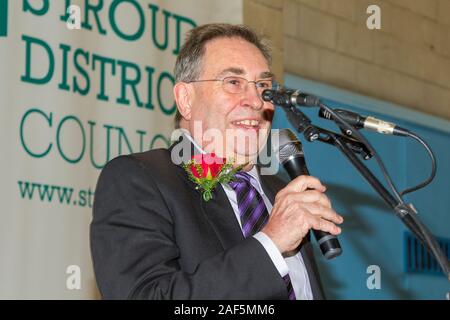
{"points": [[299, 207]]}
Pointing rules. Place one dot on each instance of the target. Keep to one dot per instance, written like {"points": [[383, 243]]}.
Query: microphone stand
{"points": [[349, 146]]}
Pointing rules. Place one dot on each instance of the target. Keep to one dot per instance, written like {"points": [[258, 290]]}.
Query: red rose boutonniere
{"points": [[208, 170]]}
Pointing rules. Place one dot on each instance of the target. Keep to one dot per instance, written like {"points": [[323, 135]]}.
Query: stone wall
{"points": [[406, 62]]}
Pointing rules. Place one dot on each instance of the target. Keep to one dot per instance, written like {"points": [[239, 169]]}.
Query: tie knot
{"points": [[241, 178]]}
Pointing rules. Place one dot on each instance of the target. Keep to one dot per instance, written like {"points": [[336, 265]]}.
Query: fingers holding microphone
{"points": [[298, 208]]}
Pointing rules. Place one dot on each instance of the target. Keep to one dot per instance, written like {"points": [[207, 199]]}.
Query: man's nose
{"points": [[253, 96]]}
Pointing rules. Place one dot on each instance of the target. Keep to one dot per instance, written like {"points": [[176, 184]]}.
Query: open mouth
{"points": [[248, 124]]}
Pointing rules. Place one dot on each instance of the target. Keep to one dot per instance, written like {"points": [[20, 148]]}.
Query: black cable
{"points": [[415, 224], [406, 212], [433, 165], [361, 138]]}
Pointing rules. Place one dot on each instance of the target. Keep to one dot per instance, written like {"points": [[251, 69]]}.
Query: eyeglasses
{"points": [[237, 85]]}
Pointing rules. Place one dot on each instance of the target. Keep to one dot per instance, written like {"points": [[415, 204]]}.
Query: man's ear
{"points": [[184, 95]]}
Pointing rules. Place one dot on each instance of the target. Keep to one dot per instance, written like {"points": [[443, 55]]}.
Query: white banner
{"points": [[76, 90]]}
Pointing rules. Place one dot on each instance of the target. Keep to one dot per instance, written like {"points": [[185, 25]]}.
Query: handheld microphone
{"points": [[290, 155], [289, 98], [369, 123]]}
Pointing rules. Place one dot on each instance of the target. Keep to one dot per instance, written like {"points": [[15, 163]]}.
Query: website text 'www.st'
{"points": [[56, 194]]}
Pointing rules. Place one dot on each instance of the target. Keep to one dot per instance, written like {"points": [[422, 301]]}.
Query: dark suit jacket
{"points": [[154, 237]]}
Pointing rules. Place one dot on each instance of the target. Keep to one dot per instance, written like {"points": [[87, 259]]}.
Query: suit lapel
{"points": [[221, 216], [270, 189], [218, 210]]}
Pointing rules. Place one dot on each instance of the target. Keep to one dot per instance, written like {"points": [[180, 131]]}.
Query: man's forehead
{"points": [[234, 56], [239, 71]]}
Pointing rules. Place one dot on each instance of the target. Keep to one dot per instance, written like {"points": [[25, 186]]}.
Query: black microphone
{"points": [[289, 98], [369, 123], [290, 155]]}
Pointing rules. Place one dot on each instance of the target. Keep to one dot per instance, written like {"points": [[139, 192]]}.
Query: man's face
{"points": [[242, 119]]}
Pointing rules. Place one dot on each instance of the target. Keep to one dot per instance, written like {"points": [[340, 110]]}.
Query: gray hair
{"points": [[189, 60]]}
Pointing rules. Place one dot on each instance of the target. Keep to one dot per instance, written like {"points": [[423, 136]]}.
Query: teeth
{"points": [[248, 122]]}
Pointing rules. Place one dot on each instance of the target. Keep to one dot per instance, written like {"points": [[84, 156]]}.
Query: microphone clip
{"points": [[311, 133], [302, 123]]}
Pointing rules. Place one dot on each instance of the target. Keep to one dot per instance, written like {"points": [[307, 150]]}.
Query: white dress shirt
{"points": [[294, 265]]}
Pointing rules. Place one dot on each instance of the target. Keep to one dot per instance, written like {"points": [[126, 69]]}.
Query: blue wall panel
{"points": [[372, 234]]}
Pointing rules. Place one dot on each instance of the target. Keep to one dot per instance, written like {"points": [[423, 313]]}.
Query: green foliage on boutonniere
{"points": [[207, 171]]}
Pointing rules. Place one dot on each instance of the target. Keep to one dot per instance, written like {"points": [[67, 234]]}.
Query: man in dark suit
{"points": [[153, 236]]}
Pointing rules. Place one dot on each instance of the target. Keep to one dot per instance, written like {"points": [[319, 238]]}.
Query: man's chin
{"points": [[242, 148], [245, 156]]}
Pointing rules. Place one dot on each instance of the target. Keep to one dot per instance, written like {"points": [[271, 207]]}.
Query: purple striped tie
{"points": [[253, 213]]}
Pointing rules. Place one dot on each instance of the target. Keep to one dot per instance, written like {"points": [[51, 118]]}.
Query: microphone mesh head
{"points": [[287, 146]]}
